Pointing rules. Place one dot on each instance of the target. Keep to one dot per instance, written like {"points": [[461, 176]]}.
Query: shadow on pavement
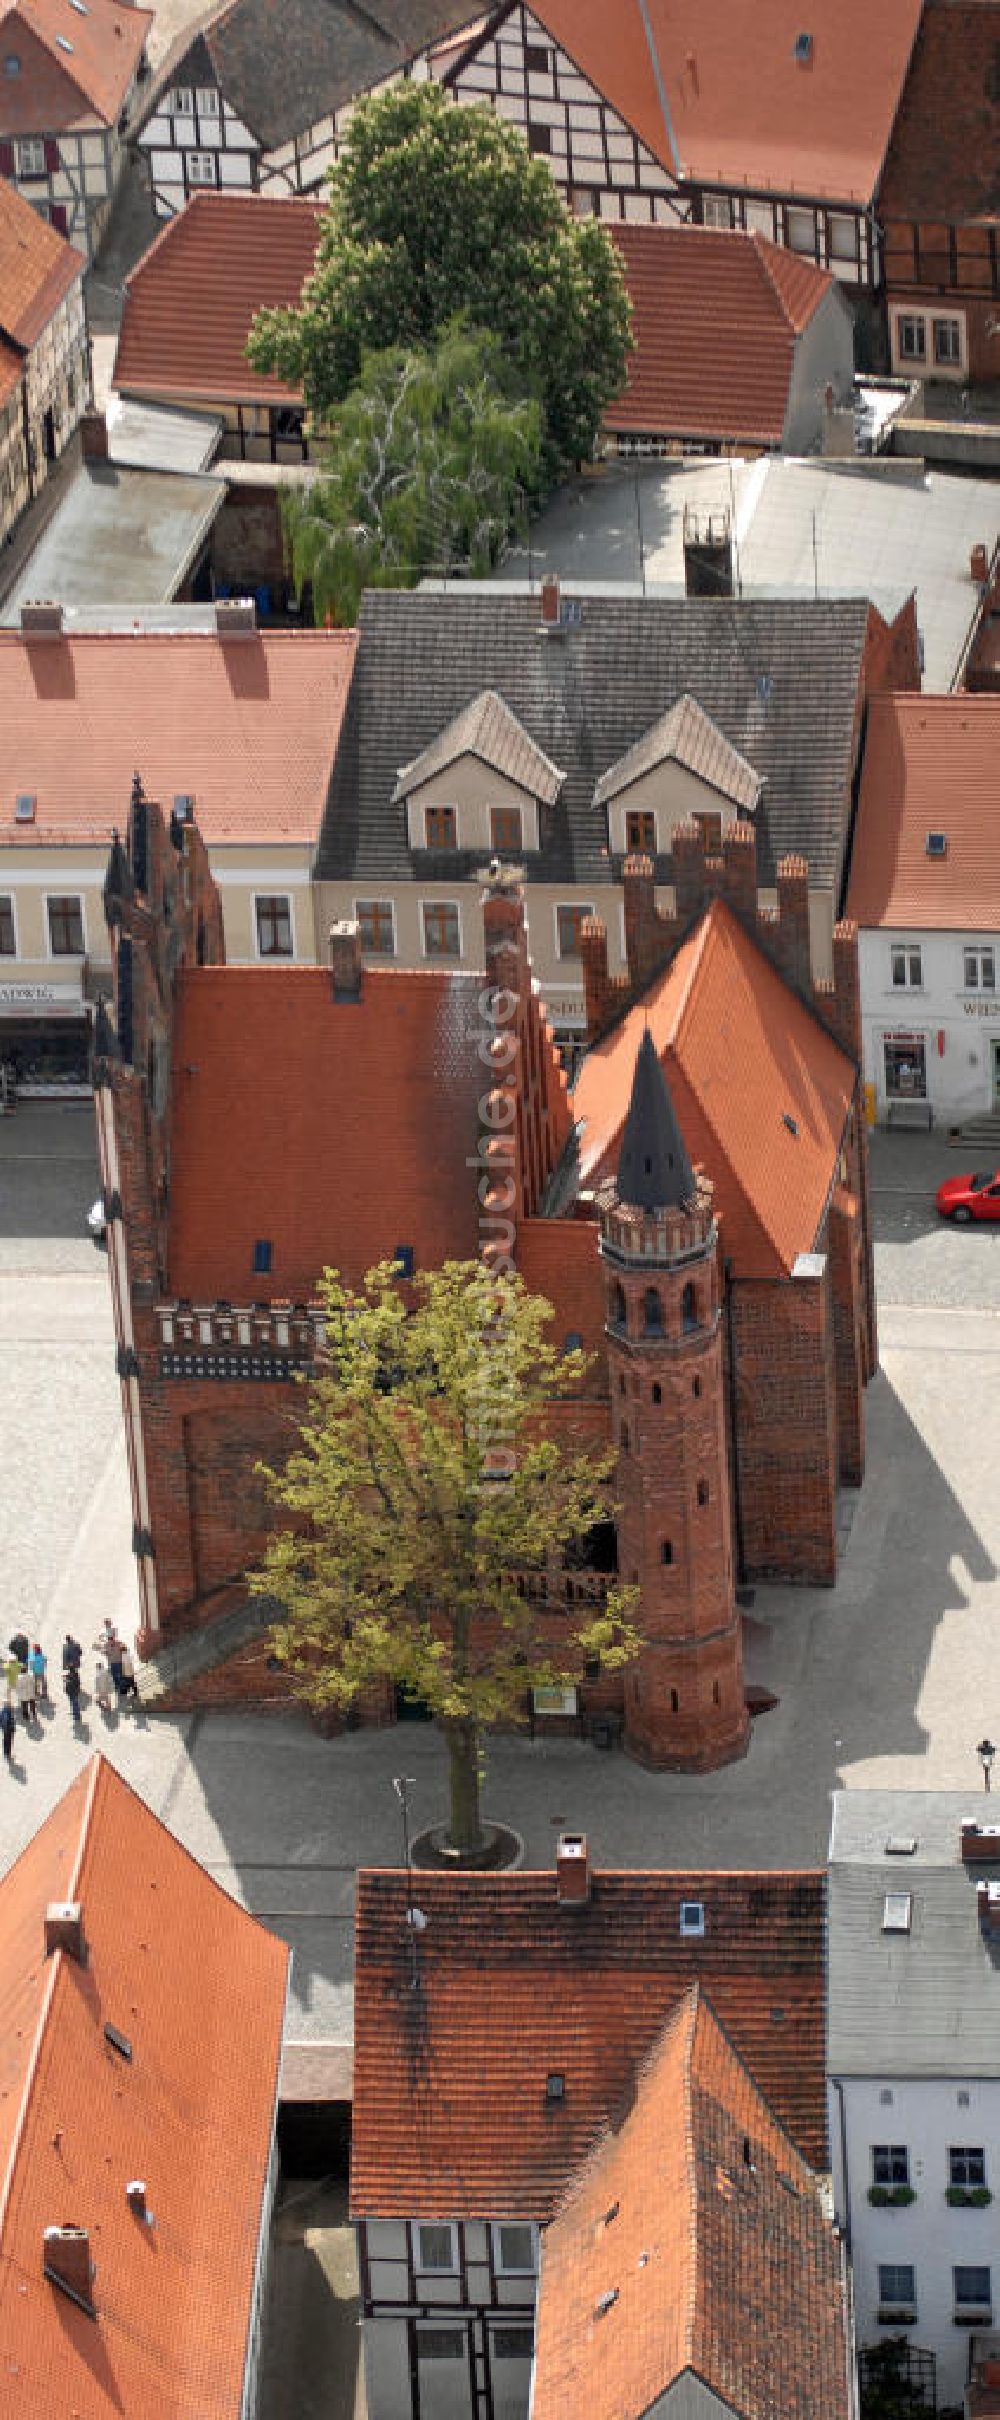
{"points": [[311, 2365]]}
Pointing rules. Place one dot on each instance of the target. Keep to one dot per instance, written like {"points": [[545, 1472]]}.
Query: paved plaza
{"points": [[888, 1680]]}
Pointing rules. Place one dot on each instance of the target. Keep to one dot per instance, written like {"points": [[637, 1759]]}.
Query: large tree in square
{"points": [[430, 1475], [437, 212]]}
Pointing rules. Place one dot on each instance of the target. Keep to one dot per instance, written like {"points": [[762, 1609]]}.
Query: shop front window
{"points": [[905, 1067]]}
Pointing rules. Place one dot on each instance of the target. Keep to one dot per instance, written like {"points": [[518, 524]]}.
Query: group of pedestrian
{"points": [[26, 1673]]}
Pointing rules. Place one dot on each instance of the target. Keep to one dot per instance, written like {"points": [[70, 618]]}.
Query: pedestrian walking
{"points": [[72, 1654], [26, 1693], [19, 1646], [115, 1651], [73, 1690], [38, 1665], [105, 1635], [130, 1686], [7, 1730], [103, 1690], [12, 1674]]}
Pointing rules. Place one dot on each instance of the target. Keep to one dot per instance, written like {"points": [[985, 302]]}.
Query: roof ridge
{"points": [[718, 911], [45, 2007], [763, 249]]}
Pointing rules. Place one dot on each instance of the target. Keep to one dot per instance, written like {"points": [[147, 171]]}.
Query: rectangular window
{"points": [[182, 101], [911, 338], [907, 967], [441, 2344], [505, 827], [376, 927], [201, 167], [948, 343], [897, 2282], [972, 2289], [274, 927], [512, 2344], [537, 59], [710, 827], [966, 2166], [31, 157], [890, 2164], [442, 938], [843, 237], [717, 210], [8, 937], [262, 1256], [801, 231], [569, 926], [905, 1067], [440, 828], [208, 101], [435, 2247], [640, 831], [539, 138], [514, 2249], [980, 970], [65, 928]]}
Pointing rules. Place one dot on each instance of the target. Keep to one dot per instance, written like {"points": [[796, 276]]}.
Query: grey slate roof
{"points": [[284, 64], [486, 728], [926, 2002], [780, 679], [687, 736]]}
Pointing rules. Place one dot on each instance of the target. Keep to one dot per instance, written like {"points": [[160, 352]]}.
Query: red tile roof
{"points": [[76, 65], [451, 2117], [715, 318], [198, 1989], [930, 766], [248, 726], [37, 269], [11, 367], [349, 1126], [743, 110], [701, 2221], [742, 1055], [191, 300]]}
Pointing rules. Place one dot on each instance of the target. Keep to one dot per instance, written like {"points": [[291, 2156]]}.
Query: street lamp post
{"points": [[986, 1753]]}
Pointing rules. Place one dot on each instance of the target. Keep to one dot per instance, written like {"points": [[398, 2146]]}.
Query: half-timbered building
{"points": [[69, 73], [44, 358]]}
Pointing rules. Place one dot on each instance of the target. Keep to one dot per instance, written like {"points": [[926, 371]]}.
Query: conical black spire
{"points": [[118, 884], [654, 1171]]}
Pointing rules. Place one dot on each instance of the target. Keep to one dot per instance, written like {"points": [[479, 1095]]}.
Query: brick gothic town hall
{"points": [[695, 1211]]}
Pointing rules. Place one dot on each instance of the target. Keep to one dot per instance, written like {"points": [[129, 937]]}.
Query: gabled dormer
{"points": [[682, 770], [481, 786]]}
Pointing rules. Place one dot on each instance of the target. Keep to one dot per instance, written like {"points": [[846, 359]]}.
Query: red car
{"points": [[964, 1198]]}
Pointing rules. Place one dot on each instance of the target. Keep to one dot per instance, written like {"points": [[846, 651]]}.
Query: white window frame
{"points": [[505, 2268], [420, 2268], [798, 214], [66, 957], [907, 2302], [717, 209], [691, 1919], [890, 2153], [966, 2152], [194, 161], [914, 320], [181, 103], [447, 806], [979, 954], [29, 154], [971, 2306], [841, 224], [947, 361], [206, 101], [374, 899], [274, 957], [907, 950], [9, 957], [442, 957]]}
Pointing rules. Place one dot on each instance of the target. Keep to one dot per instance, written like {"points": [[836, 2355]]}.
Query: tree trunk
{"points": [[464, 1830]]}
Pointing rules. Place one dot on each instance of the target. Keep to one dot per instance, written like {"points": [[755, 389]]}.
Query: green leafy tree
{"points": [[429, 461], [427, 1477], [437, 211]]}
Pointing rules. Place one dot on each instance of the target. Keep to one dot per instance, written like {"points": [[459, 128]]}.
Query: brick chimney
{"points": [[66, 2262], [551, 601], [345, 960], [572, 1870], [64, 1928], [980, 1842]]}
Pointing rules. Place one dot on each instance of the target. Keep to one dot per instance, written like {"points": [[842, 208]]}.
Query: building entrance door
{"points": [[995, 1073]]}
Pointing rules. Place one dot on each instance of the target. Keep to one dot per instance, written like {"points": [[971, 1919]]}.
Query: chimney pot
{"points": [[135, 2195], [345, 960], [41, 618], [979, 565], [572, 1870], [235, 617], [551, 599], [64, 1928], [980, 1842], [66, 2262]]}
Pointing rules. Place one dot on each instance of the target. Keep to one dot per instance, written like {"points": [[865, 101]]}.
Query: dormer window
{"points": [[440, 828], [505, 827], [640, 832]]}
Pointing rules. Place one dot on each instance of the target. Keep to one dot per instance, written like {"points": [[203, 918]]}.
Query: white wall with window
{"points": [[928, 342], [930, 1007], [459, 809], [448, 2304]]}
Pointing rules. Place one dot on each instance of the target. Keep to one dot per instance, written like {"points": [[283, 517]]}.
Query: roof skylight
{"points": [[896, 1908]]}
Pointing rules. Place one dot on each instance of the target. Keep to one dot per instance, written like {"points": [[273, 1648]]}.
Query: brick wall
{"points": [[784, 1387]]}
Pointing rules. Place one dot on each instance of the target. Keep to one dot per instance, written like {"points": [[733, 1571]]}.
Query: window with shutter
{"points": [[52, 162], [6, 159]]}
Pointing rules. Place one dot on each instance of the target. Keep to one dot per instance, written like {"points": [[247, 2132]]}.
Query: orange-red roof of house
{"points": [[744, 111], [75, 65], [931, 765], [191, 300], [350, 1126], [692, 2243], [197, 1989], [715, 318], [762, 1092], [451, 2114], [247, 725], [37, 269], [11, 367]]}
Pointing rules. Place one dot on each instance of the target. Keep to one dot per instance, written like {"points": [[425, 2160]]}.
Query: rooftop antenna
{"points": [[415, 1918]]}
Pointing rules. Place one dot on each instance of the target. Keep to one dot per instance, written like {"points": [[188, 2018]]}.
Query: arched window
{"points": [[652, 1312], [703, 1491], [675, 1703], [624, 1437], [689, 1307], [657, 1391], [618, 1306], [666, 1551], [696, 1388]]}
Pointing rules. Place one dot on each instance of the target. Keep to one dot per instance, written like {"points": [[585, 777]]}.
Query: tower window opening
{"points": [[621, 1386], [652, 1312], [696, 1388], [624, 1437], [716, 1694], [618, 1307], [689, 1307], [703, 1491], [666, 1551], [675, 1703], [657, 1391]]}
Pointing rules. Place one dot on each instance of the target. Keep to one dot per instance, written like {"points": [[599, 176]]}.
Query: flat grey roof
{"points": [[924, 2002], [119, 538], [153, 437], [880, 529]]}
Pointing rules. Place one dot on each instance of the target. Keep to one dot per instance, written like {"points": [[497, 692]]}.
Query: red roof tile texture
{"points": [[248, 726], [37, 269], [350, 1126], [702, 2223], [451, 2115], [744, 110], [942, 162], [76, 65], [930, 766], [742, 1055], [198, 1988], [191, 300], [715, 318]]}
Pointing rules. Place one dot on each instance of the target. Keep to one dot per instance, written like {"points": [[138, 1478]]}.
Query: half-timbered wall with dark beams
{"points": [[454, 2341], [598, 162]]}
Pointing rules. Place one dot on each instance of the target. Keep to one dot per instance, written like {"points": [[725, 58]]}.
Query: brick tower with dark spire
{"points": [[684, 1697]]}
